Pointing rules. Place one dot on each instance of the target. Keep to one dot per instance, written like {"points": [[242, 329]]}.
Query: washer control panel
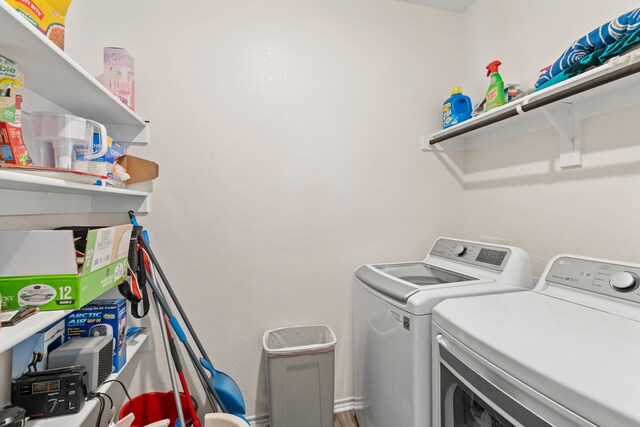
{"points": [[614, 280], [481, 255]]}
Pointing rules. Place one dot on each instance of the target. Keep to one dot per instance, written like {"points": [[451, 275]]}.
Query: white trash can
{"points": [[300, 375]]}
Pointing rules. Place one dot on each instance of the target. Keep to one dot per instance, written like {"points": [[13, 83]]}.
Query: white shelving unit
{"points": [[79, 418], [608, 88], [54, 82], [52, 74], [12, 335], [24, 194]]}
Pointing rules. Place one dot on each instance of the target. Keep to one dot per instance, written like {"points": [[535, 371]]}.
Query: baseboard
{"points": [[341, 405]]}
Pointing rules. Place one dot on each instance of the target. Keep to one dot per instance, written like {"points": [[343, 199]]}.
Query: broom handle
{"points": [[174, 298], [182, 337], [172, 373], [212, 395]]}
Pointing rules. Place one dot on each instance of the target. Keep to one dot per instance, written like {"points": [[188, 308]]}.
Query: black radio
{"points": [[52, 392]]}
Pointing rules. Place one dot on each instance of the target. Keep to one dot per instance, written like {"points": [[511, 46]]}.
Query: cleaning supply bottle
{"points": [[456, 109], [495, 93]]}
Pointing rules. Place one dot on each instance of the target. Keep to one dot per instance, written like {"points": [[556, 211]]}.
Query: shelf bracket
{"points": [[563, 121]]}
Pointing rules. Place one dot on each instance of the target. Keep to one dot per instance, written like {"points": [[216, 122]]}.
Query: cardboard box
{"points": [[8, 107], [10, 78], [103, 317], [46, 15], [13, 151], [102, 165], [119, 74], [139, 169], [39, 268], [10, 74], [43, 342]]}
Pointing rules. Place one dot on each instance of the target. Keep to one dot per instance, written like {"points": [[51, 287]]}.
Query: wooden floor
{"points": [[345, 419]]}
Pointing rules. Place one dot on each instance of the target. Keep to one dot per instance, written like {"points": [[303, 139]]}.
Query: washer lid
{"points": [[582, 358], [400, 281]]}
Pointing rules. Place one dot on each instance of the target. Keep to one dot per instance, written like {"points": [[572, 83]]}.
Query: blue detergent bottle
{"points": [[456, 109]]}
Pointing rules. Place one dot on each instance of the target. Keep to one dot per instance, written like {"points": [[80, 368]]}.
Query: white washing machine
{"points": [[561, 355], [392, 322]]}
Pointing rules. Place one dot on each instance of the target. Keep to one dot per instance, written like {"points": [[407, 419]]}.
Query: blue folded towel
{"points": [[596, 59], [595, 40]]}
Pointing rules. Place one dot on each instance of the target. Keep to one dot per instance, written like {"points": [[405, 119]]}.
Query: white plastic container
{"points": [[71, 137], [300, 375], [223, 420]]}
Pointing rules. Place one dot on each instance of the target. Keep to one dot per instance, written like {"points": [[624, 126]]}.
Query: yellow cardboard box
{"points": [[46, 15]]}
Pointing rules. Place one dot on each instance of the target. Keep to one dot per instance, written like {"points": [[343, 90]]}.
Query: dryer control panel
{"points": [[479, 255], [614, 280]]}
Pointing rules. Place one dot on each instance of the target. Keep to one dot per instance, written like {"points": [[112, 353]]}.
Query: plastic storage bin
{"points": [[67, 134], [300, 375]]}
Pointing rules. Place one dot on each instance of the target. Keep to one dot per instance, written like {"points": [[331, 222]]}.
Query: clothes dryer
{"points": [[560, 355]]}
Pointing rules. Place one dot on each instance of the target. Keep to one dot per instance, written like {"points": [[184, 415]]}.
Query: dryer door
{"points": [[463, 405], [470, 391]]}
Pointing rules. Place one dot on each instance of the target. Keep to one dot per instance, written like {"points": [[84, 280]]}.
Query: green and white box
{"points": [[39, 268]]}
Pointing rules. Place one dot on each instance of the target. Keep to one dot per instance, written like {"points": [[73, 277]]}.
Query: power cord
{"points": [[101, 398], [97, 393], [126, 392]]}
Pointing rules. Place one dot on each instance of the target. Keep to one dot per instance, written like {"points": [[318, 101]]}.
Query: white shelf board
{"points": [[13, 335], [53, 75], [77, 420], [24, 194], [610, 97]]}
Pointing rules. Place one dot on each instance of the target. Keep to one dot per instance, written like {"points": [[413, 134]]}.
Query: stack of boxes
{"points": [[12, 148], [103, 317]]}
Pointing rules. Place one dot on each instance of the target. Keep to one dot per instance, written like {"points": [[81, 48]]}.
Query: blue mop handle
{"points": [[177, 328]]}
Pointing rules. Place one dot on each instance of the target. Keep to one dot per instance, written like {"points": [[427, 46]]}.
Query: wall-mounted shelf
{"points": [[24, 194], [608, 88], [54, 82], [78, 419], [55, 77], [12, 335]]}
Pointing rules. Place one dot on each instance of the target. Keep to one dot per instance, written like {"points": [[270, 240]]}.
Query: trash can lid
{"points": [[299, 340]]}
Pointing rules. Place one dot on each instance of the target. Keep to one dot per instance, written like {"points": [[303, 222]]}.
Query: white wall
{"points": [[288, 134], [514, 190]]}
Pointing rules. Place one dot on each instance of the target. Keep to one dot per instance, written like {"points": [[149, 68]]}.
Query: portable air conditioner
{"points": [[94, 353]]}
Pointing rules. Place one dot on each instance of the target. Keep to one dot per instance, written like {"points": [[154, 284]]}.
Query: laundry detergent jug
{"points": [[456, 109]]}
